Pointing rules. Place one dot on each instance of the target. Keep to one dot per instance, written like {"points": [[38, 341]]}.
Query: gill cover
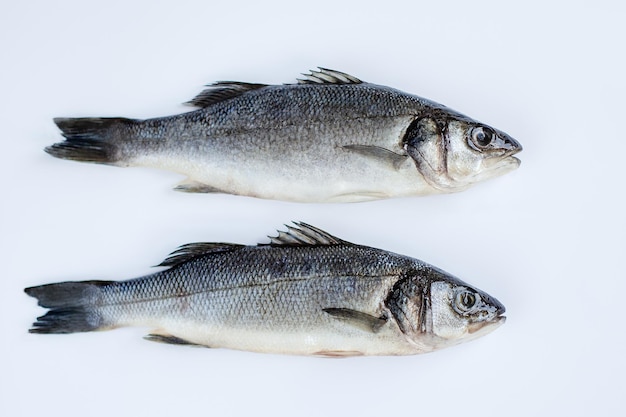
{"points": [[453, 153], [424, 142], [409, 304]]}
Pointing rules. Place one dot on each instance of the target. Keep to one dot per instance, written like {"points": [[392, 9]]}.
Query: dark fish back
{"points": [[251, 266]]}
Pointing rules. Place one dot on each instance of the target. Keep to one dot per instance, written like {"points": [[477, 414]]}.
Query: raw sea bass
{"points": [[329, 138], [305, 293]]}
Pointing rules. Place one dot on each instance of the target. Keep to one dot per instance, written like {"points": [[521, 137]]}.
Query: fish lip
{"points": [[485, 327], [506, 162], [511, 152], [500, 318], [500, 310], [512, 159], [497, 319], [517, 147]]}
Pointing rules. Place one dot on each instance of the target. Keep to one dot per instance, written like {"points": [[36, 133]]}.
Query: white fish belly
{"points": [[337, 340], [319, 171]]}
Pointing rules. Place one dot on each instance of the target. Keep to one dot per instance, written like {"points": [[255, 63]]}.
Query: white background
{"points": [[547, 240]]}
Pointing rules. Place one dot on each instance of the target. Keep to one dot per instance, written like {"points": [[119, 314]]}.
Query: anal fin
{"points": [[358, 196], [338, 353], [357, 319]]}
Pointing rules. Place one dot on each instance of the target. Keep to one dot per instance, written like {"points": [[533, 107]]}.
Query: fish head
{"points": [[435, 309], [460, 313], [452, 151]]}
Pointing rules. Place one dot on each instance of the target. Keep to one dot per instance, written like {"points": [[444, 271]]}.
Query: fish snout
{"points": [[496, 306], [508, 144]]}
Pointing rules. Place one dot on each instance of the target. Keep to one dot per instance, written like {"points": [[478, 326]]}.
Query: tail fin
{"points": [[71, 306], [88, 139]]}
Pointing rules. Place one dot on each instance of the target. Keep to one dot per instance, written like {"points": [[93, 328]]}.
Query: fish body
{"points": [[306, 293], [329, 138]]}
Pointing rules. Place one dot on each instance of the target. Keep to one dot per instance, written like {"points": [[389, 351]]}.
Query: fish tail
{"points": [[72, 307], [89, 139]]}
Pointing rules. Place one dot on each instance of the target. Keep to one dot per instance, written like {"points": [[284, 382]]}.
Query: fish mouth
{"points": [[509, 153], [496, 167], [505, 163], [500, 319], [510, 147], [511, 160], [484, 327]]}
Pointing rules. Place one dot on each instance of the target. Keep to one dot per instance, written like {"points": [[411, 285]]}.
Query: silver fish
{"points": [[306, 293], [329, 138]]}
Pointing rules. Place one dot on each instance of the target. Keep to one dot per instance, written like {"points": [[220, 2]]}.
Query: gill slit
{"points": [[445, 143], [423, 323]]}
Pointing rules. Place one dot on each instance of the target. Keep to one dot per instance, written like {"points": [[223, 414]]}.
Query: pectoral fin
{"points": [[394, 160], [358, 319]]}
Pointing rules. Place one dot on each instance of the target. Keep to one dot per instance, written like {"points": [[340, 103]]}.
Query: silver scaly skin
{"points": [[305, 293], [329, 138]]}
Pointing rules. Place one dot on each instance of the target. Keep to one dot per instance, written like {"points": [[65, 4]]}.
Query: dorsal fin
{"points": [[225, 90], [301, 235], [328, 76], [193, 250], [304, 235], [222, 90]]}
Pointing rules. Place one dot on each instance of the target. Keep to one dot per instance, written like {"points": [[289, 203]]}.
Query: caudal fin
{"points": [[88, 139], [71, 304]]}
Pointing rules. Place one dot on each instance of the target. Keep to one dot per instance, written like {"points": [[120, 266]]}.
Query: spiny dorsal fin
{"points": [[222, 90], [301, 235], [193, 250], [328, 76], [304, 235], [225, 90]]}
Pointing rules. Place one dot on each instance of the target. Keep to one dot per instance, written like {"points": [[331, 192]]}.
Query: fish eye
{"points": [[466, 301], [482, 136]]}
